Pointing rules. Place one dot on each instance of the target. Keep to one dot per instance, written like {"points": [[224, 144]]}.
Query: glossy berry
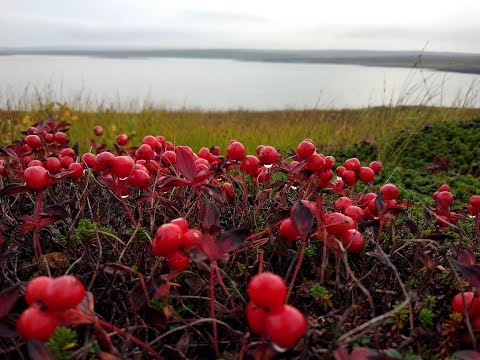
{"points": [[191, 238], [140, 178], [376, 166], [104, 160], [122, 166], [145, 152], [152, 141], [366, 174], [287, 230], [178, 260], [35, 324], [342, 203], [355, 212], [235, 151], [285, 326], [349, 177], [256, 317], [267, 290], [475, 201], [268, 155], [250, 164], [77, 170], [340, 170], [53, 165], [122, 139], [182, 223], [389, 192], [336, 223], [315, 162], [353, 240], [444, 187], [36, 177], [61, 137], [89, 159], [305, 149], [444, 198], [98, 130], [472, 303], [33, 141], [167, 239], [168, 158], [35, 289], [63, 293], [352, 164]]}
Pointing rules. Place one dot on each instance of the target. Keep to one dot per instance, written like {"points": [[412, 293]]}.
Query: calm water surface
{"points": [[225, 84]]}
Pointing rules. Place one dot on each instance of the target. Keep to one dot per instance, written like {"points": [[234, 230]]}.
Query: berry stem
{"points": [[212, 310], [297, 268], [36, 231]]}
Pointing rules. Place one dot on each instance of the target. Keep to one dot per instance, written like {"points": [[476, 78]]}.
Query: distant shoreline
{"points": [[449, 62]]}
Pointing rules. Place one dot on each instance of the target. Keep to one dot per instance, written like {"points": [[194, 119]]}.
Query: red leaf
{"points": [[380, 204], [213, 191], [210, 218], [469, 272], [186, 163], [320, 212], [73, 317], [171, 181], [102, 338], [302, 219], [231, 240], [26, 228], [465, 256], [8, 298], [11, 189], [38, 351], [45, 221], [56, 210]]}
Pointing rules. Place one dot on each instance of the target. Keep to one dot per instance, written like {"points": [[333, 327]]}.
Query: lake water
{"points": [[225, 84]]}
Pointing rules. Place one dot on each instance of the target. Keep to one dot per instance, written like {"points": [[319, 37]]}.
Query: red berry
{"points": [[268, 155], [140, 178], [122, 139], [49, 138], [191, 238], [267, 290], [287, 230], [152, 141], [349, 177], [444, 187], [68, 152], [366, 174], [342, 203], [145, 152], [285, 326], [329, 162], [444, 198], [36, 177], [376, 166], [65, 161], [250, 164], [63, 293], [35, 289], [98, 130], [315, 162], [355, 212], [472, 210], [352, 164], [103, 161], [53, 165], [353, 240], [167, 239], [325, 175], [122, 166], [235, 151], [77, 169], [61, 137], [256, 317], [475, 201], [178, 260], [33, 141], [182, 223], [169, 157], [389, 192], [472, 303], [305, 149], [204, 153], [340, 170], [89, 159], [35, 324], [337, 223]]}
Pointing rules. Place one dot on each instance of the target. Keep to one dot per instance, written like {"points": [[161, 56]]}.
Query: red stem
{"points": [[297, 268], [212, 311], [127, 210], [222, 284], [36, 231]]}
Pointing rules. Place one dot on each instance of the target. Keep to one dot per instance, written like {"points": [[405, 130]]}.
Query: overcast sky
{"points": [[451, 25]]}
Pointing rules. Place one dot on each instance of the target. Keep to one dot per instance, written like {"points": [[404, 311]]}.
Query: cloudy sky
{"points": [[274, 24]]}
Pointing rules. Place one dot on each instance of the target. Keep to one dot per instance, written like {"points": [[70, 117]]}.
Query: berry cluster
{"points": [[443, 199], [353, 171], [172, 240], [474, 205], [47, 298], [267, 313]]}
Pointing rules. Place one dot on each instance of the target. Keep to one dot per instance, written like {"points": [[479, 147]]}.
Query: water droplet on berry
{"points": [[278, 348], [268, 166], [125, 196]]}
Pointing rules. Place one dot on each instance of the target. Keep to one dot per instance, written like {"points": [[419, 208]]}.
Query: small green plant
{"points": [[426, 317], [321, 295], [400, 316], [310, 251], [62, 342]]}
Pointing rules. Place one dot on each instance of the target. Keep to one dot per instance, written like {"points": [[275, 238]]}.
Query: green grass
{"points": [[329, 129]]}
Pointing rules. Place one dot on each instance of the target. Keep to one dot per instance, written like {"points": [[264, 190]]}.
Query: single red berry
{"points": [[98, 130], [475, 201], [329, 162], [336, 223], [287, 230], [444, 187], [204, 153], [342, 203], [355, 212], [65, 161], [89, 159], [444, 198], [353, 240], [305, 149], [103, 161], [77, 170], [366, 174], [315, 162], [36, 177], [152, 141], [122, 139], [472, 303], [49, 138], [340, 170], [267, 290], [61, 138], [35, 288], [35, 324], [285, 326], [268, 155], [250, 164], [389, 192], [122, 166], [140, 178], [178, 260], [472, 210], [145, 152], [235, 151], [63, 293], [53, 165], [376, 166], [191, 238], [325, 175], [33, 141], [169, 157], [167, 239], [349, 177], [352, 164], [256, 317]]}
